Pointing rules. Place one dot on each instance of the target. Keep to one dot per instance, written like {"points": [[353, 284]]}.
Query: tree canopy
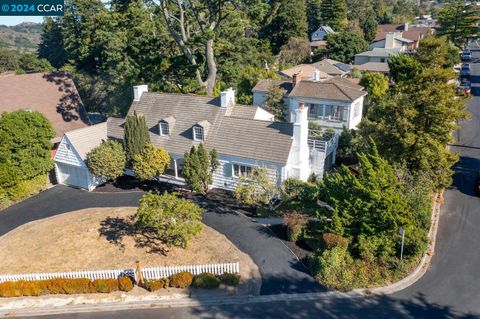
{"points": [[107, 160], [136, 136], [458, 21], [343, 46], [198, 168], [150, 162]]}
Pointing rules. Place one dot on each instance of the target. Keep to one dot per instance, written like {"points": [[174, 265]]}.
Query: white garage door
{"points": [[72, 175]]}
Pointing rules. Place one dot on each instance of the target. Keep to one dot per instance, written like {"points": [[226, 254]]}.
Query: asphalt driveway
{"points": [[281, 271]]}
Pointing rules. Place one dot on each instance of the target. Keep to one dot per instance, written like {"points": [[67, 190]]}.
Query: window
{"points": [[241, 170], [356, 110], [336, 113], [164, 129], [198, 133]]}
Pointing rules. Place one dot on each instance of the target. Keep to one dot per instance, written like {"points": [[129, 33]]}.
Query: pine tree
{"points": [[51, 45], [313, 15], [136, 136], [289, 20], [458, 21], [198, 168], [334, 14]]}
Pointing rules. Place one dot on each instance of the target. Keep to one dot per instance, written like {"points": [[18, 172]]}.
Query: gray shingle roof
{"points": [[379, 52], [237, 134], [87, 138], [264, 85]]}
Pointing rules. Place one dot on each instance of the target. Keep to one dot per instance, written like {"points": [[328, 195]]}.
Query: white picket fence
{"points": [[147, 273]]}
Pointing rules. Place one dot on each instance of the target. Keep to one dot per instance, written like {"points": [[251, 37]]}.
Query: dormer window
{"points": [[164, 130], [198, 133]]}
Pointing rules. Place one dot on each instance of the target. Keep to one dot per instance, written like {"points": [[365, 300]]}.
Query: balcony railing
{"points": [[323, 145]]}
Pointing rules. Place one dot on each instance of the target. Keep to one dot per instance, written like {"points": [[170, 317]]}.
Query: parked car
{"points": [[465, 71], [464, 88], [467, 55]]}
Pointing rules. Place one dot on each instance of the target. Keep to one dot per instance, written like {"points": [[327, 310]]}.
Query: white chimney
{"points": [[138, 90], [389, 40], [301, 152], [316, 75], [405, 27], [227, 98]]}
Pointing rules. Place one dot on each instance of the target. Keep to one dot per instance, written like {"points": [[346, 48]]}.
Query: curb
{"points": [[177, 303], [424, 262]]}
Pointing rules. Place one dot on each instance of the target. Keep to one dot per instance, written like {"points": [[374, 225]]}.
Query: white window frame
{"points": [[237, 170], [162, 126], [195, 134]]}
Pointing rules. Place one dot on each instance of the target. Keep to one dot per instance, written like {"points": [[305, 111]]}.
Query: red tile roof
{"points": [[54, 95]]}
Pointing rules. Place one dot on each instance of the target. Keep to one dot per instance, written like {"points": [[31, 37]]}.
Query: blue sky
{"points": [[16, 20]]}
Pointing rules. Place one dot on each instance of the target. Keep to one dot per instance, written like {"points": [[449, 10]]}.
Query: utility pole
{"points": [[402, 232]]}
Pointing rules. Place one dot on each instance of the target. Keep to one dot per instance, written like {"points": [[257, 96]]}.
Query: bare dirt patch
{"points": [[105, 238]]}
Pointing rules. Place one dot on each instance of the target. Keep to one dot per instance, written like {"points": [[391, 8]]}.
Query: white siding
{"points": [[67, 154], [223, 178]]}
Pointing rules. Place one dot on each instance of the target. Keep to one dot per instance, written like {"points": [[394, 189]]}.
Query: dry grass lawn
{"points": [[102, 238]]}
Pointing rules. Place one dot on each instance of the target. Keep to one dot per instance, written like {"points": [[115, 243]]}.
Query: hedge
{"points": [[63, 286], [186, 279]]}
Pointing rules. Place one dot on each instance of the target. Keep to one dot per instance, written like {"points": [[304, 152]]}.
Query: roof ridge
{"points": [[341, 90], [85, 128]]}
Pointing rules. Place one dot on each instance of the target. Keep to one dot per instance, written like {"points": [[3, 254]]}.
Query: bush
{"points": [[26, 188], [181, 280], [296, 223], [125, 284], [331, 240], [229, 279], [156, 284], [105, 285], [333, 268], [206, 280], [10, 289]]}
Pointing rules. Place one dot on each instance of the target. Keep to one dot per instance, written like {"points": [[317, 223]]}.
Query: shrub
{"points": [[296, 223], [10, 289], [156, 284], [333, 268], [125, 284], [27, 188], [206, 280], [331, 240], [229, 279], [181, 280], [104, 285]]}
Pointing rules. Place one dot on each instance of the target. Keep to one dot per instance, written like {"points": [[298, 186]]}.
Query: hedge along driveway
{"points": [[281, 271]]}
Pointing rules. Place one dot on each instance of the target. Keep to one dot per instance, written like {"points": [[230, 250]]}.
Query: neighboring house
{"points": [[373, 67], [52, 94], [317, 37], [70, 165], [393, 40], [333, 103], [375, 55], [244, 137], [321, 32], [405, 31], [326, 67]]}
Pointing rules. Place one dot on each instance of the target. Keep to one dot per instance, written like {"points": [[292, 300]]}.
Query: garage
{"points": [[70, 158], [72, 175]]}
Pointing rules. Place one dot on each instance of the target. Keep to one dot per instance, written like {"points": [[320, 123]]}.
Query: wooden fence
{"points": [[147, 273]]}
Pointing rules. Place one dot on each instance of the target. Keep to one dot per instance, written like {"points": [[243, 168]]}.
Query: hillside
{"points": [[23, 36]]}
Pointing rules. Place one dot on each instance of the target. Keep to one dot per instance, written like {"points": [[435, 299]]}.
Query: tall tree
{"points": [[404, 68], [198, 168], [369, 25], [288, 20], [334, 14], [51, 45], [343, 46], [458, 21], [136, 136], [195, 24], [275, 103], [376, 84], [314, 15]]}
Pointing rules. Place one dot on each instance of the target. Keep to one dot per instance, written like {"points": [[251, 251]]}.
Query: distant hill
{"points": [[23, 36]]}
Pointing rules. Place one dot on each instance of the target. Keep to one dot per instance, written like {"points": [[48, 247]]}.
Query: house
{"points": [[393, 40], [52, 94], [333, 103], [373, 67], [243, 136], [326, 67], [375, 55], [405, 31], [321, 32]]}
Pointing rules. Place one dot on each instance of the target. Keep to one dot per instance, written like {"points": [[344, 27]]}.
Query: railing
{"points": [[147, 273], [326, 146]]}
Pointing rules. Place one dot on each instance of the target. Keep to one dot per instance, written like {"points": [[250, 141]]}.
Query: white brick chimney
{"points": [[300, 150], [138, 90], [227, 98]]}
